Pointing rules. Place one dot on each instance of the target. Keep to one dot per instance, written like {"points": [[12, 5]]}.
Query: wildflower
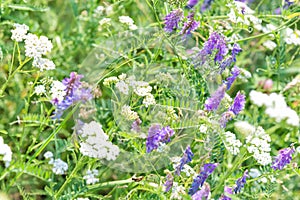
{"points": [[190, 25], [6, 152], [186, 158], [157, 135], [39, 89], [128, 21], [284, 157], [238, 103], [37, 46], [57, 92], [96, 143], [105, 21], [122, 87], [240, 183], [43, 64], [202, 194], [227, 190], [169, 182], [270, 45], [72, 83], [235, 51], [90, 177], [206, 170], [48, 154], [149, 100], [110, 80], [59, 166], [232, 143], [19, 33], [192, 3], [214, 101], [141, 88], [177, 191], [235, 72], [128, 113], [206, 4], [172, 20], [135, 126]]}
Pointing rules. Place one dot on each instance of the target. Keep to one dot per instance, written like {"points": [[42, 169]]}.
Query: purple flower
{"points": [[192, 3], [190, 25], [235, 51], [135, 126], [172, 20], [240, 183], [235, 72], [72, 83], [169, 182], [206, 170], [206, 4], [227, 190], [238, 103], [157, 135], [226, 116], [226, 63], [283, 158], [186, 158], [204, 193], [214, 101]]}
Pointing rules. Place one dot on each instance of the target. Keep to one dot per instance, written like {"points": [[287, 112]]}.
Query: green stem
{"points": [[110, 183]]}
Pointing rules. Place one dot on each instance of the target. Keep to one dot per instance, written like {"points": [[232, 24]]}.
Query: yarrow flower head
{"points": [[59, 166], [186, 158], [283, 158], [37, 46], [6, 152], [172, 20], [204, 193], [206, 170], [157, 135], [214, 101], [240, 183], [90, 177], [19, 33]]}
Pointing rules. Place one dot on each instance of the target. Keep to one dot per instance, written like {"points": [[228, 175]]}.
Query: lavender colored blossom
{"points": [[283, 158], [240, 183], [172, 20], [192, 3], [72, 83], [157, 135], [135, 126], [186, 158], [226, 63], [226, 116], [190, 25], [169, 182], [238, 103], [235, 72], [206, 170], [206, 5], [235, 51], [202, 194], [227, 190], [214, 101]]}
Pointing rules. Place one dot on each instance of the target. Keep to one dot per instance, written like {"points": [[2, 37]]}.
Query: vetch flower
{"points": [[238, 103], [206, 170], [172, 20], [169, 183], [227, 190], [283, 158], [186, 158], [206, 5], [240, 183], [136, 125], [214, 101], [235, 51], [190, 25], [202, 194], [157, 135], [235, 72], [192, 3]]}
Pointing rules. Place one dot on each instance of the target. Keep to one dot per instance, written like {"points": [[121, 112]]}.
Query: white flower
{"points": [[110, 80], [105, 21], [270, 44], [19, 33], [232, 144], [149, 100], [59, 166], [96, 144], [90, 176], [37, 46], [99, 11], [189, 171], [122, 87], [133, 27], [128, 113], [177, 191], [48, 154], [109, 10], [244, 127], [141, 88], [258, 98], [254, 173], [39, 89], [58, 91], [126, 20], [43, 64], [6, 152], [203, 128]]}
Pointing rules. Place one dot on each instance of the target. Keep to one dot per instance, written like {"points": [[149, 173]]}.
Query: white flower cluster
{"points": [[232, 143], [96, 143], [188, 170], [270, 45], [6, 152], [259, 144], [244, 127], [39, 89], [128, 21], [292, 37], [177, 191], [90, 176], [58, 91], [128, 113], [276, 107], [59, 166], [124, 85], [35, 47]]}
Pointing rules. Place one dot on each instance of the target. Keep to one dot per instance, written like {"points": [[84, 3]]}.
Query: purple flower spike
{"points": [[283, 158], [136, 125], [227, 190], [192, 3], [72, 83], [238, 103], [235, 51], [226, 116], [206, 170], [214, 101], [206, 5], [169, 182], [235, 72], [172, 20], [186, 158], [240, 183], [202, 194], [157, 135], [190, 25]]}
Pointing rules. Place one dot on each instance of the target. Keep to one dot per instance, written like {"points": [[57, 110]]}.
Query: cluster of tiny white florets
{"points": [[6, 152], [244, 127], [96, 143], [177, 191], [128, 113], [35, 47], [232, 143], [125, 84], [258, 143], [58, 91], [59, 166], [275, 105], [90, 176], [128, 21]]}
